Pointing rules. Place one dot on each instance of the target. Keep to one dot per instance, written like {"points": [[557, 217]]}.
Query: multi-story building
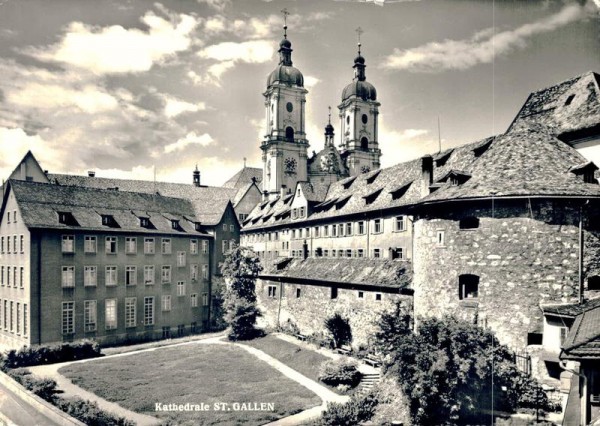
{"points": [[110, 265]]}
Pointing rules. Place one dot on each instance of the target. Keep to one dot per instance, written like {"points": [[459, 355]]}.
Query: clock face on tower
{"points": [[290, 165]]}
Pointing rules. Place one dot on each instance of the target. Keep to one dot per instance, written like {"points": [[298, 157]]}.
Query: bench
{"points": [[373, 360], [300, 336], [344, 350]]}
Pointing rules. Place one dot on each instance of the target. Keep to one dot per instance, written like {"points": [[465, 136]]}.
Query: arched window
{"points": [[289, 134], [364, 143], [468, 286]]}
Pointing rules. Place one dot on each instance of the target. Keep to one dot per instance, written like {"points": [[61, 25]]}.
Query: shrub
{"points": [[357, 410], [340, 372], [89, 413], [50, 354], [339, 327], [44, 388]]}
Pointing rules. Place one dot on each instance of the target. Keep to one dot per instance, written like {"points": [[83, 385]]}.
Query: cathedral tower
{"points": [[359, 112], [284, 146]]}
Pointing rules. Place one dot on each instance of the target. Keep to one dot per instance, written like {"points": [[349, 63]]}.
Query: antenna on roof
{"points": [[285, 15], [439, 136], [244, 162]]}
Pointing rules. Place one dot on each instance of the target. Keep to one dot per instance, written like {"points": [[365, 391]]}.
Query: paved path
{"points": [[15, 411]]}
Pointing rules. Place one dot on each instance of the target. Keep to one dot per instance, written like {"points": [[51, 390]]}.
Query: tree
{"points": [[339, 327], [392, 327], [446, 371], [240, 270]]}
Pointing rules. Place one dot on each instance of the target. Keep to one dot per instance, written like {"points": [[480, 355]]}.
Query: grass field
{"points": [[304, 361], [195, 374]]}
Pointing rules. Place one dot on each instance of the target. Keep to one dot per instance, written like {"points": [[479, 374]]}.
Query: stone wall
{"points": [[314, 305], [525, 253]]}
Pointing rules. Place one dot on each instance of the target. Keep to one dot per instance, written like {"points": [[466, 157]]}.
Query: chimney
{"points": [[426, 174], [91, 173], [196, 176], [283, 191]]}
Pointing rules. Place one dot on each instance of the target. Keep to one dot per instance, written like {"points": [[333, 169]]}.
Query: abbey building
{"points": [[285, 147]]}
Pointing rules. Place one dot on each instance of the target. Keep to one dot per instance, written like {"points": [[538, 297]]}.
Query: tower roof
{"points": [[285, 73], [360, 87]]}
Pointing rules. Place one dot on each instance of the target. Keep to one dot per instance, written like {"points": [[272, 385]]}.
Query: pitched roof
{"points": [[209, 202], [244, 177], [569, 107], [523, 162], [357, 271], [583, 340], [570, 309], [314, 192], [40, 204]]}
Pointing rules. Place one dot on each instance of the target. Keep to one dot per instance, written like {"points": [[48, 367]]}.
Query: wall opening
{"points": [[289, 134], [468, 286], [469, 223], [364, 143]]}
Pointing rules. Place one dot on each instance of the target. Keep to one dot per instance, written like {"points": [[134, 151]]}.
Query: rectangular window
{"points": [[165, 246], [15, 277], [224, 227], [194, 272], [361, 295], [25, 320], [468, 286], [204, 299], [341, 229], [378, 297], [231, 228], [398, 253], [360, 253], [400, 223], [148, 310], [272, 291], [165, 276], [18, 318], [348, 229], [68, 276], [205, 272], [21, 244], [130, 275], [2, 245], [5, 314], [224, 249], [316, 232], [148, 245], [441, 238], [15, 216], [68, 317], [325, 253], [130, 245], [377, 226], [12, 316], [180, 288], [333, 231], [8, 276], [193, 246], [298, 292], [194, 300], [111, 245], [348, 253], [21, 277], [149, 274], [89, 315], [110, 314], [2, 276], [376, 253], [165, 304], [89, 244], [110, 275], [334, 292], [204, 246], [90, 276], [15, 243], [180, 258], [361, 227], [130, 312], [68, 244]]}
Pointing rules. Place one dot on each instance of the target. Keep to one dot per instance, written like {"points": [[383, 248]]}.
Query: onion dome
{"points": [[360, 87], [285, 73]]}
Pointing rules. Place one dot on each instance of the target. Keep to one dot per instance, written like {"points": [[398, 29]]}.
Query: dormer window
{"points": [[144, 222], [400, 191], [373, 176], [175, 225], [197, 226], [348, 183], [585, 172], [455, 177], [339, 204], [369, 199], [478, 152], [109, 220], [442, 159], [67, 218]]}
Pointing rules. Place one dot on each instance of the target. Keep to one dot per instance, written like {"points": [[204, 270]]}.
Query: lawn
{"points": [[195, 374], [304, 361]]}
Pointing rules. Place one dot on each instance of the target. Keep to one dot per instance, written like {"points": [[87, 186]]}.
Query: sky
{"points": [[137, 89]]}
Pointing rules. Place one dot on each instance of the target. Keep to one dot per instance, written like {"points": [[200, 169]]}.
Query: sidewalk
{"points": [[15, 411]]}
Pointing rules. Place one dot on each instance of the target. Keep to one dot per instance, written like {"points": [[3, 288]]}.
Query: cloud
{"points": [[20, 142], [310, 81], [219, 5], [190, 139], [174, 107], [114, 49], [257, 51], [481, 48]]}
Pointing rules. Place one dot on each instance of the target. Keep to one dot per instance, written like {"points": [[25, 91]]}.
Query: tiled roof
{"points": [[241, 193], [570, 309], [583, 340], [359, 271], [209, 202], [521, 163], [244, 177], [314, 192], [40, 204], [570, 106]]}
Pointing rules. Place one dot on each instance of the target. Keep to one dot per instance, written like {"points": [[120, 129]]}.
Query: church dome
{"points": [[361, 89], [285, 43], [286, 74]]}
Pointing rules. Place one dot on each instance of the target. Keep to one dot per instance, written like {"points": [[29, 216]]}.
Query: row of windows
{"points": [[14, 217], [231, 227], [272, 293], [14, 317], [111, 309], [111, 273], [227, 245], [377, 253], [90, 245], [339, 230], [17, 246], [14, 276]]}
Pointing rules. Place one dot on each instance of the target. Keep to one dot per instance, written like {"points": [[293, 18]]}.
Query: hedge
{"points": [[340, 372], [50, 354]]}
